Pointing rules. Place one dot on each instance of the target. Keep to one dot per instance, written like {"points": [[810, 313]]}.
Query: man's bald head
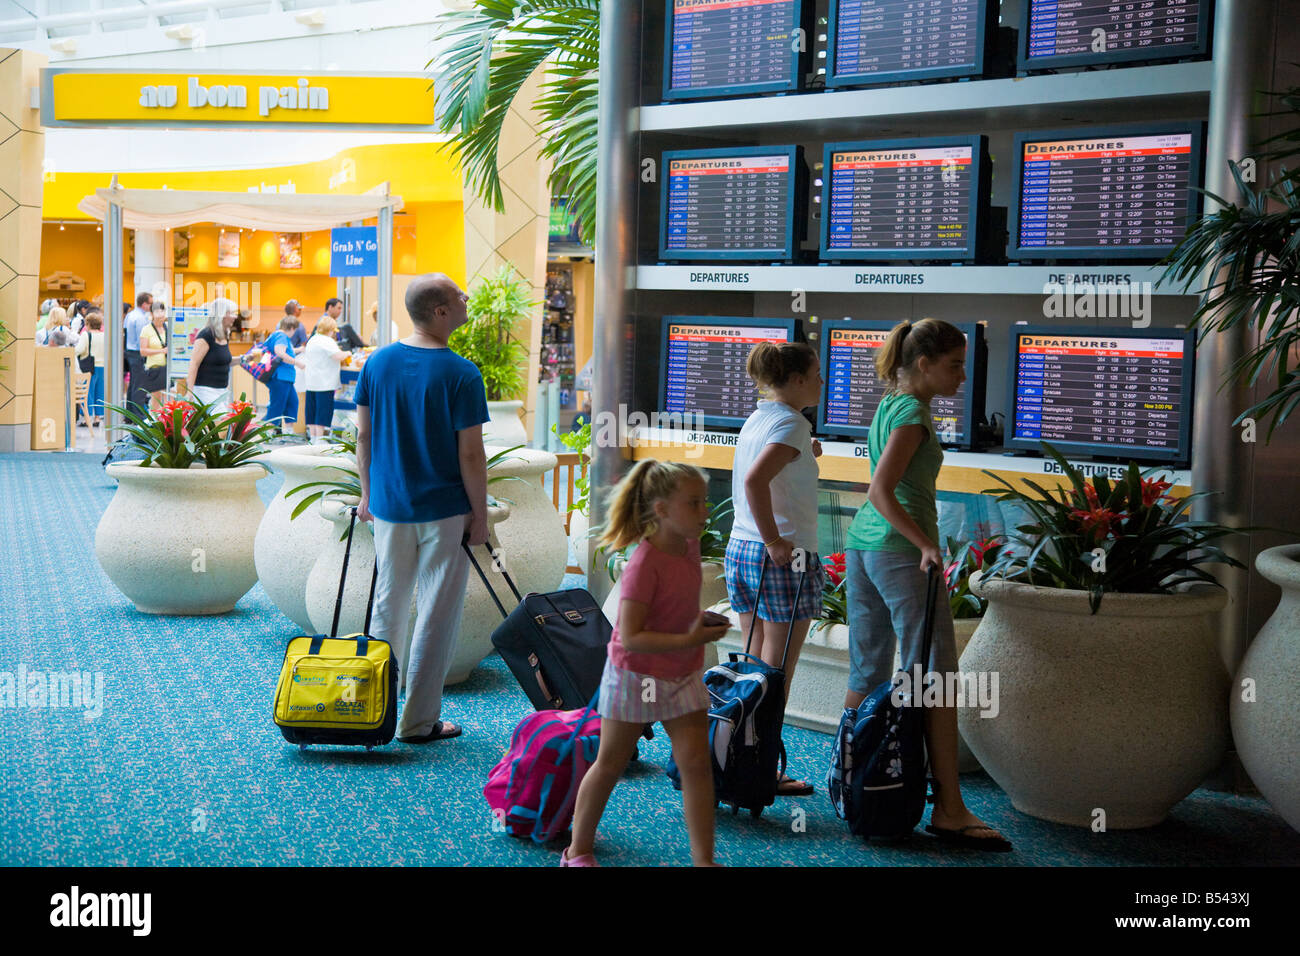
{"points": [[426, 294]]}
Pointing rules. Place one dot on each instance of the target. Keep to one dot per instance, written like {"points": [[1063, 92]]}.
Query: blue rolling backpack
{"points": [[877, 780], [747, 709]]}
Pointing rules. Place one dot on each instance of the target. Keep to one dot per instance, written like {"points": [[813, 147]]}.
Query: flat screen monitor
{"points": [[703, 365], [1124, 192], [903, 199], [1114, 392], [1069, 33], [729, 204], [891, 41], [716, 48], [853, 392]]}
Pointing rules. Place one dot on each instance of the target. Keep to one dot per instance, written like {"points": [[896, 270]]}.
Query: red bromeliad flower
{"points": [[1153, 491], [167, 415], [1090, 492], [1100, 522], [834, 564], [979, 549], [231, 419]]}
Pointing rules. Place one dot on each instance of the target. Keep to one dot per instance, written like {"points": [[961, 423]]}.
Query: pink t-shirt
{"points": [[670, 586]]}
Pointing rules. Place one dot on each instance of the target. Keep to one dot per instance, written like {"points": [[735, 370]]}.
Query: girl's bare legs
{"points": [[689, 734], [617, 745]]}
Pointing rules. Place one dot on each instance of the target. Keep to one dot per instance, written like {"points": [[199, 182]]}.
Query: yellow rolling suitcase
{"points": [[339, 690]]}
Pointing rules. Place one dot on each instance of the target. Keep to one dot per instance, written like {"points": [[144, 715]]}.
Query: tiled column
{"points": [[519, 235], [22, 155]]}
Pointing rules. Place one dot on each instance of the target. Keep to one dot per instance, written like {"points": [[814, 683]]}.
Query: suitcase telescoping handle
{"points": [[931, 599], [343, 577], [794, 609], [492, 591]]}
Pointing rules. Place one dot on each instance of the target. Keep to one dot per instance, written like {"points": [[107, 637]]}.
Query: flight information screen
{"points": [[853, 392], [729, 206], [705, 367], [729, 46], [1097, 30], [902, 201], [1102, 390], [1106, 194], [887, 40]]}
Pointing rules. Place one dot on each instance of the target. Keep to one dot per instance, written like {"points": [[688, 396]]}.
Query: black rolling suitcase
{"points": [[746, 713], [553, 643]]}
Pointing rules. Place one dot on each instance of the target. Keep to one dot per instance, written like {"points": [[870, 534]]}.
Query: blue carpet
{"points": [[185, 766]]}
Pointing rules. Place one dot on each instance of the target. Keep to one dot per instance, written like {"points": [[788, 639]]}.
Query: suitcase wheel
{"points": [[369, 748], [755, 812], [735, 808], [302, 746]]}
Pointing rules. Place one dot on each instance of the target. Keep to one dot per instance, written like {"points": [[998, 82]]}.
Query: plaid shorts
{"points": [[743, 564]]}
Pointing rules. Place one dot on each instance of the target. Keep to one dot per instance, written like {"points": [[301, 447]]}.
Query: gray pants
{"points": [[428, 552], [886, 609]]}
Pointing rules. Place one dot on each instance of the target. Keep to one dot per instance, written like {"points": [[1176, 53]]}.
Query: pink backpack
{"points": [[533, 788]]}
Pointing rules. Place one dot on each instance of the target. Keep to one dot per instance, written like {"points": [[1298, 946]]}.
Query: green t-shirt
{"points": [[916, 489]]}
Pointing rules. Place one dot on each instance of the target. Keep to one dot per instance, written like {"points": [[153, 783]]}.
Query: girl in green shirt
{"points": [[894, 540]]}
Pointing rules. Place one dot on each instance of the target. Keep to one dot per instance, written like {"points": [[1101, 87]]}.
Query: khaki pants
{"points": [[427, 553]]}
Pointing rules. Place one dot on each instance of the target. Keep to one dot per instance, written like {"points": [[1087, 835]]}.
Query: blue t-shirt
{"points": [[284, 370], [418, 400]]}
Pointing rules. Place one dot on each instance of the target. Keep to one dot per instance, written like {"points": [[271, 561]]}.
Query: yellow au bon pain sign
{"points": [[177, 98]]}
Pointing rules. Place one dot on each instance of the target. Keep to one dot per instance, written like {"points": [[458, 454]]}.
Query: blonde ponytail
{"points": [[632, 502]]}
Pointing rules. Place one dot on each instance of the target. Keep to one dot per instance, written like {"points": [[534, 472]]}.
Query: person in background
{"points": [[774, 534], [282, 406], [43, 316], [133, 323], [300, 334], [91, 345], [658, 643], [57, 333], [77, 316], [423, 473], [321, 378], [208, 378], [154, 340], [373, 314], [892, 543]]}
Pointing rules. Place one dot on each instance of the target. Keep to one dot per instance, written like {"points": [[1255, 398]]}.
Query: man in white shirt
{"points": [[135, 321]]}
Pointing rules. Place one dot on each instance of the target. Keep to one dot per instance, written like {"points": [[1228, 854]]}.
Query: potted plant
{"points": [[1250, 250], [1112, 701], [177, 538], [496, 305], [579, 510]]}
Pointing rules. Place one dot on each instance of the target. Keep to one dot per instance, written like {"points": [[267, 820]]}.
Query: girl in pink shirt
{"points": [[654, 671]]}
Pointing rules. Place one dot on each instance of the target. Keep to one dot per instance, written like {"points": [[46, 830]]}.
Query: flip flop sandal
{"points": [[959, 837], [439, 732], [790, 787]]}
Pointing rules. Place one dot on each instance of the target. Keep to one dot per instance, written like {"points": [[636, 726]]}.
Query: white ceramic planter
{"points": [[1265, 728], [534, 545], [180, 541], [505, 428], [285, 550], [478, 619], [579, 525], [1123, 712]]}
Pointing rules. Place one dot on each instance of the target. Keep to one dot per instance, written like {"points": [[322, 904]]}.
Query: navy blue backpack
{"points": [[746, 711], [877, 781]]}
